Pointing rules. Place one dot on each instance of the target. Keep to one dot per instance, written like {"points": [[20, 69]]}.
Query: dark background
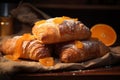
{"points": [[90, 12]]}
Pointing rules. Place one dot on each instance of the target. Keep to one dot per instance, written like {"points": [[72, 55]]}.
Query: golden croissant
{"points": [[26, 47], [60, 29], [78, 51]]}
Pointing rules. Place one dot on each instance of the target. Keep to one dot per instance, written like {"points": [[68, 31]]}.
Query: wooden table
{"points": [[110, 73]]}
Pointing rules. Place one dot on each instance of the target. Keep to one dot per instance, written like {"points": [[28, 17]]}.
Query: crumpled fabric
{"points": [[24, 17], [28, 13], [9, 67]]}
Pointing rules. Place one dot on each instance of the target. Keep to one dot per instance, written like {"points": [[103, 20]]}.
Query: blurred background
{"points": [[90, 12]]}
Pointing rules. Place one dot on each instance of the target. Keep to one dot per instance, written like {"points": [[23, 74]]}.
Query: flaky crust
{"points": [[30, 49], [34, 50], [70, 53], [50, 32], [8, 45]]}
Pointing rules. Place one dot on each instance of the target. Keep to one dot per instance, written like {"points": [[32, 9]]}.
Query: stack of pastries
{"points": [[64, 38]]}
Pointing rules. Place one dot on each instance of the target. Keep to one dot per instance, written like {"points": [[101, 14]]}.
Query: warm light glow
{"points": [[4, 23]]}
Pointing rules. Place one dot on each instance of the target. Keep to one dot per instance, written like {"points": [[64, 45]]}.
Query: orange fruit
{"points": [[18, 47], [104, 33], [59, 20], [79, 44], [47, 61]]}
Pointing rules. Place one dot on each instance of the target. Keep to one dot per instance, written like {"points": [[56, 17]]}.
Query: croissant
{"points": [[60, 29], [8, 45], [78, 51], [26, 47]]}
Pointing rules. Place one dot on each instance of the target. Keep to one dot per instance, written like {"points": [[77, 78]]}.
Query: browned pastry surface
{"points": [[60, 29], [91, 49], [28, 49]]}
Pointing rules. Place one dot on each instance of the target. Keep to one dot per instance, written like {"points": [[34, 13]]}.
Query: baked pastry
{"points": [[8, 45], [26, 47], [60, 29], [78, 51]]}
